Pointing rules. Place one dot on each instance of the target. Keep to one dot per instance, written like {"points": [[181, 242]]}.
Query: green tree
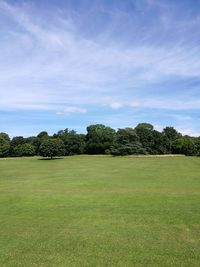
{"points": [[171, 136], [43, 135], [4, 146], [99, 139], [35, 142], [5, 136], [184, 145], [145, 133], [16, 141], [160, 143], [52, 147], [74, 143], [127, 143], [24, 150], [197, 144]]}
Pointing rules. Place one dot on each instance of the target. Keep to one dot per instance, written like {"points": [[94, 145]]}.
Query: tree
{"points": [[43, 135], [145, 125], [160, 143], [184, 145], [35, 142], [4, 146], [145, 133], [197, 144], [24, 150], [74, 143], [16, 141], [5, 136], [171, 135], [127, 135], [99, 139], [127, 143], [52, 147]]}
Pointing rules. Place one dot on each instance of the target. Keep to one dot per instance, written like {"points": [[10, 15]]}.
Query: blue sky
{"points": [[71, 63]]}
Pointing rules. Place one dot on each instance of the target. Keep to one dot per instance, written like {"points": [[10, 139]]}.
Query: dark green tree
{"points": [[43, 135], [35, 142], [99, 139], [16, 141], [52, 147], [5, 136], [127, 143], [24, 150], [171, 135], [197, 144], [161, 143], [4, 146], [74, 143], [145, 133], [184, 145]]}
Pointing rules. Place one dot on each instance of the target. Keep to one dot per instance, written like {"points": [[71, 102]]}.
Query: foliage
{"points": [[74, 143], [99, 139], [197, 145], [184, 145], [127, 143], [171, 135], [4, 146], [52, 147], [35, 142], [145, 133], [24, 150], [161, 144], [5, 136], [43, 135]]}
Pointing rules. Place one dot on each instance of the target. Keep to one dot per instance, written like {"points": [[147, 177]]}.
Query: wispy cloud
{"points": [[116, 105], [69, 110]]}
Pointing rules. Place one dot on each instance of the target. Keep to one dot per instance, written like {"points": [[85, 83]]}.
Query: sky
{"points": [[72, 63]]}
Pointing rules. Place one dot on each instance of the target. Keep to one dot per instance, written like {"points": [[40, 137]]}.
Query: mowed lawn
{"points": [[100, 211]]}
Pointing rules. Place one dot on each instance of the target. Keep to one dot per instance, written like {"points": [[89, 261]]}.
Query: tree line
{"points": [[101, 139]]}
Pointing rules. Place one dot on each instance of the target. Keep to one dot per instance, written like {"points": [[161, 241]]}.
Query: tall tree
{"points": [[127, 143], [4, 146], [160, 143], [184, 145], [74, 143], [171, 135], [24, 150], [99, 139], [16, 141], [145, 133], [52, 147]]}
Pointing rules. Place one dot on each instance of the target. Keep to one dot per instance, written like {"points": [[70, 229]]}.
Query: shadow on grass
{"points": [[50, 158]]}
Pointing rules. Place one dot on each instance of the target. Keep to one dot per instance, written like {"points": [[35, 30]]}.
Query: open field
{"points": [[100, 211]]}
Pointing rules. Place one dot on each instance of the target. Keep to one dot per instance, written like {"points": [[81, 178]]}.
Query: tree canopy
{"points": [[101, 139], [52, 147]]}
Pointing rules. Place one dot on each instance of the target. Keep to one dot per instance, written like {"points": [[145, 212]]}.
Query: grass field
{"points": [[100, 211]]}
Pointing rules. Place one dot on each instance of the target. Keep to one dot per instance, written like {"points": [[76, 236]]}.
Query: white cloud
{"points": [[116, 105], [71, 109], [46, 64], [134, 104], [160, 103]]}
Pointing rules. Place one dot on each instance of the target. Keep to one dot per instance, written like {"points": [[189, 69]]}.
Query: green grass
{"points": [[100, 211]]}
